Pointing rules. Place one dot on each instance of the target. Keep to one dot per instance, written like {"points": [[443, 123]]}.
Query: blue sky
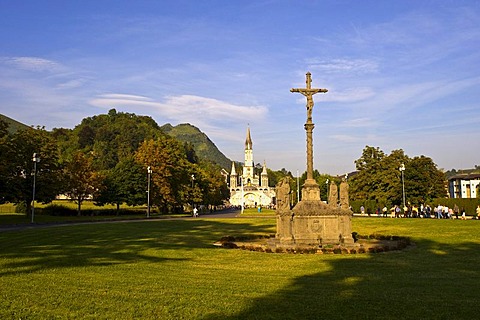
{"points": [[400, 74]]}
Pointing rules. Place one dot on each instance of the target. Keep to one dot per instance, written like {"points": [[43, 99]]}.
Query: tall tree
{"points": [[379, 178], [171, 172], [19, 179], [126, 183], [213, 185], [82, 180], [423, 181], [6, 153]]}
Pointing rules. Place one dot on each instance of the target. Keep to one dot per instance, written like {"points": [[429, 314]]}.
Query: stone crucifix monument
{"points": [[312, 222]]}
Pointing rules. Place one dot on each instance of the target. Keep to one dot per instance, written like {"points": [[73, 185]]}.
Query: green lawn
{"points": [[169, 269], [108, 212], [253, 212]]}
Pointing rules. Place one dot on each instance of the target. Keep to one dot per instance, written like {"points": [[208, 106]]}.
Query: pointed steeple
{"points": [[264, 170], [264, 176], [248, 141], [233, 177]]}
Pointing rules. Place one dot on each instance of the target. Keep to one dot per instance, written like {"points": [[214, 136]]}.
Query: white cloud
{"points": [[359, 122], [183, 107], [349, 95], [71, 84], [343, 65], [34, 64], [213, 116]]}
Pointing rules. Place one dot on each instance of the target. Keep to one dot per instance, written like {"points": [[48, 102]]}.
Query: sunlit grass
{"points": [[9, 217], [169, 269], [250, 212]]}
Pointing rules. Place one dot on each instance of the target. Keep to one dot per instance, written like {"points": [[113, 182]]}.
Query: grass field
{"points": [[169, 269], [9, 217]]}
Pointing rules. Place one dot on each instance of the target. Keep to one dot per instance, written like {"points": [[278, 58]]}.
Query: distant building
{"points": [[248, 188], [464, 185]]}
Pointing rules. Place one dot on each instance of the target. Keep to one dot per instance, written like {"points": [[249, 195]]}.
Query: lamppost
{"points": [[402, 169], [326, 182], [241, 183], [35, 159], [193, 193], [149, 174]]}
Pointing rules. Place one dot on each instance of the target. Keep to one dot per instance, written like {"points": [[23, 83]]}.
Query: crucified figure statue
{"points": [[308, 92]]}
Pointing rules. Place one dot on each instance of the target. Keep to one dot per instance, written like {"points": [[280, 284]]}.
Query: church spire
{"points": [[264, 169], [248, 141], [264, 176], [233, 177]]}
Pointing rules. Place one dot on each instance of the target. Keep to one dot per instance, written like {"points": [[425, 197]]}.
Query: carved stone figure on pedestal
{"points": [[283, 195], [344, 202], [333, 195]]}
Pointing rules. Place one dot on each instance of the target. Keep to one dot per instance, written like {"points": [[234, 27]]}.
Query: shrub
{"points": [[21, 208], [58, 210]]}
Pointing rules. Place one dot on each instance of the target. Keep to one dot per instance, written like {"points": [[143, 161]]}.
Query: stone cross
{"points": [[308, 92]]}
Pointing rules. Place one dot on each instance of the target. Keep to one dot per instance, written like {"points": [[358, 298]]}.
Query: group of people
{"points": [[423, 211]]}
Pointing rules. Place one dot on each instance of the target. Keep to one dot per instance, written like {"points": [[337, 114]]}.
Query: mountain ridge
{"points": [[13, 125], [204, 147]]}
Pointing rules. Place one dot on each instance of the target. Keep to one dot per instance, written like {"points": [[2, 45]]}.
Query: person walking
{"points": [[456, 210]]}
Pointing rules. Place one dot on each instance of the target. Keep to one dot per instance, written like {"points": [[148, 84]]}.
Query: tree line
{"points": [[105, 158], [379, 180]]}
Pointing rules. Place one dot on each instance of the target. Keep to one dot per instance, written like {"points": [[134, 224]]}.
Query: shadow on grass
{"points": [[106, 244], [431, 281]]}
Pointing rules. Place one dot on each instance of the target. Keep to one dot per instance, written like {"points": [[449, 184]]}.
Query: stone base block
{"points": [[315, 223]]}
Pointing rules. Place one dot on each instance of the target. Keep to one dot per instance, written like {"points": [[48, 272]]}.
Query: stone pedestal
{"points": [[311, 190], [314, 223]]}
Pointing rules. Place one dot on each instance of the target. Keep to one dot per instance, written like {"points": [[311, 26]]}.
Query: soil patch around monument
{"points": [[363, 244]]}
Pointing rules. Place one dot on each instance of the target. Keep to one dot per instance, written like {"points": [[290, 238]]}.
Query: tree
{"points": [[18, 175], [171, 172], [423, 181], [321, 180], [126, 183], [82, 180], [379, 178], [212, 184]]}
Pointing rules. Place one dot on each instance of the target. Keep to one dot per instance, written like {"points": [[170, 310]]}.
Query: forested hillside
{"points": [[108, 157], [203, 146], [13, 125]]}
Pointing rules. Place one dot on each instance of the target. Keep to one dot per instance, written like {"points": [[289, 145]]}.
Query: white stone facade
{"points": [[250, 189], [464, 186]]}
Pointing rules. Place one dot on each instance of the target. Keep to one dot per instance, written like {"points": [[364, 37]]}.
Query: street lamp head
{"points": [[402, 167], [149, 169], [35, 158]]}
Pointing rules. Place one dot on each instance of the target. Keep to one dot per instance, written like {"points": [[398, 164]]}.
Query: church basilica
{"points": [[248, 189]]}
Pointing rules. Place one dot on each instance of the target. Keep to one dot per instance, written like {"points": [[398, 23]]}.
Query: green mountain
{"points": [[204, 147], [13, 125]]}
